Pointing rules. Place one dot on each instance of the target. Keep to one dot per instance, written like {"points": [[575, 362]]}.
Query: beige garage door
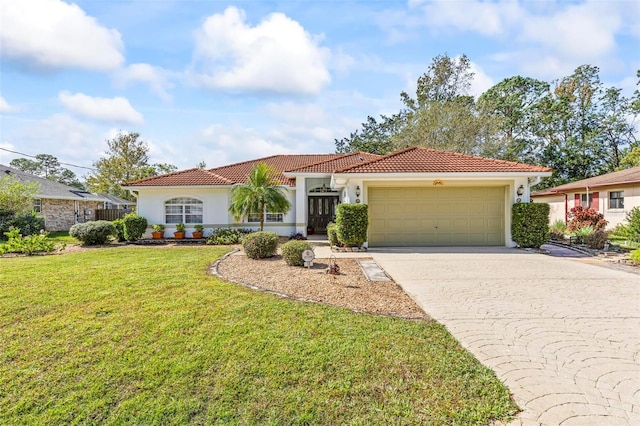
{"points": [[440, 216]]}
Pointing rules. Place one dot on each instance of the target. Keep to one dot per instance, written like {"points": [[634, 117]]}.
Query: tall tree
{"points": [[48, 167], [127, 160], [260, 193], [443, 115], [375, 137], [15, 196], [512, 104]]}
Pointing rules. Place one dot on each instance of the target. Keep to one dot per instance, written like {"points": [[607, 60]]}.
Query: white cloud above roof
{"points": [[5, 107], [116, 109], [52, 34], [276, 55], [156, 77]]}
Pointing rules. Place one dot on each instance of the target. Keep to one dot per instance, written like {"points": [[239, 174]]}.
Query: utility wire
{"points": [[33, 156]]}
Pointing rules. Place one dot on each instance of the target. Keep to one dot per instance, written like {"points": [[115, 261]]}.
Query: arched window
{"points": [[183, 210]]}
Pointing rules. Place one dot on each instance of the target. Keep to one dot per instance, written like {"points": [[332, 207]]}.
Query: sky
{"points": [[223, 82]]}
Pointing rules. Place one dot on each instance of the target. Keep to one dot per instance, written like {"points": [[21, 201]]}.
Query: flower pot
{"points": [[157, 235], [178, 235], [196, 234]]}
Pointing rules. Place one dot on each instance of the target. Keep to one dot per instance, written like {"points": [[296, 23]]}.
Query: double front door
{"points": [[322, 210]]}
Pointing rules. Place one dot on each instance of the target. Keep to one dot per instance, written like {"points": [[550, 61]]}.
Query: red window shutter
{"points": [[595, 202], [576, 200]]}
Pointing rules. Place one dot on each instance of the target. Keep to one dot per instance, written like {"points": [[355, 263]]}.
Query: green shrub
{"points": [[27, 223], [584, 231], [28, 245], [597, 239], [119, 225], [292, 252], [530, 224], [581, 217], [134, 226], [621, 231], [93, 233], [635, 255], [633, 227], [332, 234], [558, 229], [226, 236], [260, 245], [352, 221]]}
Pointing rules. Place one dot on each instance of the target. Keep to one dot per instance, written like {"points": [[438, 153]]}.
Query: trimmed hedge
{"points": [[530, 224], [332, 234], [93, 233], [134, 226], [119, 225], [225, 236], [352, 221], [292, 252], [260, 245]]}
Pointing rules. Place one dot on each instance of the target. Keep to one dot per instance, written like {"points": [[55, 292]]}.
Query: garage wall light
{"points": [[520, 190], [357, 190]]}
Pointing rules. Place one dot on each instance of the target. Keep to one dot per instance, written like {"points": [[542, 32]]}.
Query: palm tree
{"points": [[261, 192]]}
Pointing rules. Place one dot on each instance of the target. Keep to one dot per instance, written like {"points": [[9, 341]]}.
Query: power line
{"points": [[33, 156]]}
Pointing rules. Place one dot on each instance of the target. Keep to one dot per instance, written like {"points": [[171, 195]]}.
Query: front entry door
{"points": [[322, 210]]}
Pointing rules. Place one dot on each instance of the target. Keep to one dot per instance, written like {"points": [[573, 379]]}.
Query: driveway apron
{"points": [[563, 334]]}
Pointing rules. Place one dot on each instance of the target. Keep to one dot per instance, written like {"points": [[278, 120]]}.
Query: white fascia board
{"points": [[158, 187], [306, 175], [448, 175]]}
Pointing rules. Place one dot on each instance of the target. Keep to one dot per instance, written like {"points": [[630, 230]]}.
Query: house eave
{"points": [[431, 175]]}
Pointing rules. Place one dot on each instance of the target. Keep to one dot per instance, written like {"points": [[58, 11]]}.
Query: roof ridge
{"points": [[496, 160], [149, 178], [337, 157], [262, 159], [209, 172], [384, 157]]}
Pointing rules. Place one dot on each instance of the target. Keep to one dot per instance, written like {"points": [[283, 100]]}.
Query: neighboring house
{"points": [[613, 195], [416, 196], [113, 202], [61, 206]]}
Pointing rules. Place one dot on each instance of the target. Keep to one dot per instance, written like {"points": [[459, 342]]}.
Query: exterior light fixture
{"points": [[520, 190], [324, 188], [357, 190]]}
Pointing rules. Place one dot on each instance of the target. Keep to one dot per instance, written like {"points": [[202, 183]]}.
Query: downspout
{"points": [[566, 208]]}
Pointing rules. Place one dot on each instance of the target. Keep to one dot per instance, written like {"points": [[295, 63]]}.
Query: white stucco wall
{"points": [[215, 209]]}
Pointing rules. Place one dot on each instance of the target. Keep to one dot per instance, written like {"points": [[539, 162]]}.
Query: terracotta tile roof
{"points": [[194, 176], [341, 162], [235, 173], [427, 160], [623, 177], [238, 172]]}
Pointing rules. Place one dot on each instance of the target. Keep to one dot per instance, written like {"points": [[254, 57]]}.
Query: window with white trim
{"points": [[616, 200], [268, 217], [37, 205], [183, 210]]}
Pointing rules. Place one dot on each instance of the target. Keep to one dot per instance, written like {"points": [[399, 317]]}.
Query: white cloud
{"points": [[277, 55], [481, 81], [5, 107], [52, 34], [116, 109], [156, 77], [62, 136]]}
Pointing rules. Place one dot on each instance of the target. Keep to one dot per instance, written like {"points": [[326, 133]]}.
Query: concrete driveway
{"points": [[563, 334]]}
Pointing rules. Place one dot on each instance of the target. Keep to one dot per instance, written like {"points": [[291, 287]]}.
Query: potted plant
{"points": [[199, 231], [158, 231], [180, 231], [310, 230]]}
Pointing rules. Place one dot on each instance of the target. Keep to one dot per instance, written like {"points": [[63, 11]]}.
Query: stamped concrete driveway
{"points": [[562, 334]]}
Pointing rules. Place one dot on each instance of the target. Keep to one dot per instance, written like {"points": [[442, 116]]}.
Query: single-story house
{"points": [[61, 206], [612, 194], [416, 196]]}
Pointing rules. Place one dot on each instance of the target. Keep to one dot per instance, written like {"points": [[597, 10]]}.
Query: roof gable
{"points": [[622, 177], [195, 176], [427, 160]]}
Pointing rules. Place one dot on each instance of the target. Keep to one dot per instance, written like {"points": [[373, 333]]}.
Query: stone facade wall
{"points": [[60, 215]]}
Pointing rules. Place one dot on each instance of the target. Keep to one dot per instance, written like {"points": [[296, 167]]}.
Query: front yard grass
{"points": [[143, 336]]}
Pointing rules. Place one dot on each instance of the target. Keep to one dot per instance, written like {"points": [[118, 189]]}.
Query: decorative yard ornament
{"points": [[308, 257], [333, 267]]}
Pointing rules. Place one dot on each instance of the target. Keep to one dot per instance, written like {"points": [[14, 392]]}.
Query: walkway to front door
{"points": [[322, 210]]}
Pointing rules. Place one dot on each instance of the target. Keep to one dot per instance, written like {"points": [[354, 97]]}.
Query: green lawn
{"points": [[143, 336]]}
